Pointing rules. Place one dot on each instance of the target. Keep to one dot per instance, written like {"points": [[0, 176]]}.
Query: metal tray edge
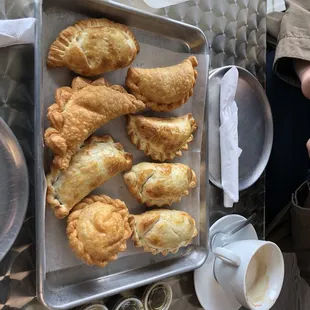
{"points": [[38, 153]]}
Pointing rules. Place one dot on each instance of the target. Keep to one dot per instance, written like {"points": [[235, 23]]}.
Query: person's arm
{"points": [[308, 147], [294, 43], [302, 69]]}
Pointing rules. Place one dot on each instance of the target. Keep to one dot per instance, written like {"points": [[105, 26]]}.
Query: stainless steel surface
{"points": [[62, 287], [14, 188], [255, 127], [17, 275], [236, 32]]}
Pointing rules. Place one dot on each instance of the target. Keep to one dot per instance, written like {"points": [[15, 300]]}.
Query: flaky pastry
{"points": [[98, 229], [93, 46], [164, 89], [161, 138], [159, 184], [98, 160], [82, 109], [162, 231]]}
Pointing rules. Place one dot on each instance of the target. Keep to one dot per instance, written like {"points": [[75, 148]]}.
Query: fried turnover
{"points": [[162, 231], [161, 138], [82, 109], [164, 89], [159, 184], [98, 160], [93, 46], [98, 229]]}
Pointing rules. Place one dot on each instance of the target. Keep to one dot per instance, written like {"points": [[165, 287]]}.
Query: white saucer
{"points": [[209, 292]]}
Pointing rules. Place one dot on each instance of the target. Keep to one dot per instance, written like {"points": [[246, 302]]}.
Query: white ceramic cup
{"points": [[252, 271]]}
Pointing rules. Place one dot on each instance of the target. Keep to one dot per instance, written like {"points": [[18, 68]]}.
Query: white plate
{"points": [[209, 292]]}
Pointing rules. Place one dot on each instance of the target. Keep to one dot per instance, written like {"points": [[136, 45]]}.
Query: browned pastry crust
{"points": [[98, 160], [93, 46], [164, 89], [161, 138], [98, 229], [162, 231], [159, 184], [82, 109]]}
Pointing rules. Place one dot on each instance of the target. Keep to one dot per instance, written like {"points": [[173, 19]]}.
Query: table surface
{"points": [[236, 32]]}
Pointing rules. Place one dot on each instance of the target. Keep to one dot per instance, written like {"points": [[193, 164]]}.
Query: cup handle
{"points": [[227, 256]]}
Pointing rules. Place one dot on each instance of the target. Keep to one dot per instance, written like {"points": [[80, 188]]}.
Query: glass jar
{"points": [[128, 303], [157, 296], [94, 306]]}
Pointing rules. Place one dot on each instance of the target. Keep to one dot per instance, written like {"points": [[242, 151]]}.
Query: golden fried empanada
{"points": [[82, 109], [98, 229], [93, 46], [164, 89], [161, 138], [97, 161], [162, 231], [159, 184]]}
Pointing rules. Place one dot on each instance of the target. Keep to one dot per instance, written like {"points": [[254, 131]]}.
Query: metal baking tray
{"points": [[69, 286]]}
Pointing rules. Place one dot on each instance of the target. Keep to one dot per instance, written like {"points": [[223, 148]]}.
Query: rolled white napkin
{"points": [[16, 31], [230, 151]]}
